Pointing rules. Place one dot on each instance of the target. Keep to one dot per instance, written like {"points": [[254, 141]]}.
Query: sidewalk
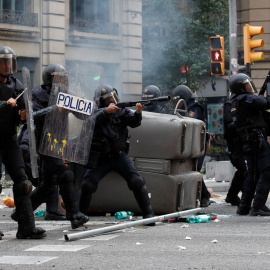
{"points": [[216, 186]]}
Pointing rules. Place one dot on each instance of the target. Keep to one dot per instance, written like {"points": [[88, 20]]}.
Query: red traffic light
{"points": [[216, 55]]}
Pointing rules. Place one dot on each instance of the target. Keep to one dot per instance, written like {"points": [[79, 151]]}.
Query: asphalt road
{"points": [[237, 242]]}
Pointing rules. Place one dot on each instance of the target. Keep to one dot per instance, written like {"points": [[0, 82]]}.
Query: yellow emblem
{"points": [[191, 113], [6, 51], [103, 90], [145, 91]]}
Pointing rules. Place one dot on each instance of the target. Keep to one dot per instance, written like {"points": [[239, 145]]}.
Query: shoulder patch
{"points": [[249, 99]]}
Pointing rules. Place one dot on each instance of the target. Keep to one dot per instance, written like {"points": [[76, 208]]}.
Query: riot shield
{"points": [[68, 127], [30, 121]]}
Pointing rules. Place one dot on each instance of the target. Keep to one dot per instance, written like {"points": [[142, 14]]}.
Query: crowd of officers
{"points": [[246, 133]]}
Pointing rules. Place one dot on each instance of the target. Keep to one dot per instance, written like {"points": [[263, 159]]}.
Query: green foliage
{"points": [[178, 37]]}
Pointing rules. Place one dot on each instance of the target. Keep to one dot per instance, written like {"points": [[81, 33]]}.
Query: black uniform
{"points": [[11, 157], [53, 170], [113, 132], [251, 127], [236, 155]]}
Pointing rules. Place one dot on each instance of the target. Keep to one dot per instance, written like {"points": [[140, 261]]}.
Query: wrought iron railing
{"points": [[98, 27], [17, 17]]}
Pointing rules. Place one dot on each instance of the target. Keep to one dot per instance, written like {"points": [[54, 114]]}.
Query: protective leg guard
{"points": [[67, 191], [24, 210], [235, 188], [53, 211], [87, 189], [142, 198], [261, 195]]}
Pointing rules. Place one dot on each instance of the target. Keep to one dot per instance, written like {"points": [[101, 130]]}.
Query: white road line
{"points": [[58, 248], [25, 259]]}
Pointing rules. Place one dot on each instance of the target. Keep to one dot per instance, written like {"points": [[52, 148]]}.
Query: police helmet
{"points": [[50, 71], [183, 92], [103, 92], [150, 91], [8, 61], [241, 83]]}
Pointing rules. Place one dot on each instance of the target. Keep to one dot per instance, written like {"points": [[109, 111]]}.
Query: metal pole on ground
{"points": [[79, 235]]}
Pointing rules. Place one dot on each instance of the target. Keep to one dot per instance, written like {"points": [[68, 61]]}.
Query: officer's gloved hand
{"points": [[25, 152]]}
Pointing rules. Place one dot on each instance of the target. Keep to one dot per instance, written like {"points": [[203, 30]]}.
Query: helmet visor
{"points": [[112, 94], [249, 86], [8, 64]]}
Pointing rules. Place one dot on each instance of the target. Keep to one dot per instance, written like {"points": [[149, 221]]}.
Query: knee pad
{"points": [[88, 187], [66, 177], [136, 182], [22, 188]]}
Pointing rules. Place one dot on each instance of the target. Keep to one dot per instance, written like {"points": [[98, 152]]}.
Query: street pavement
{"points": [[232, 242]]}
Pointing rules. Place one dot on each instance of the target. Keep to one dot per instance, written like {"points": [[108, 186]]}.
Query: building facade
{"points": [[97, 40]]}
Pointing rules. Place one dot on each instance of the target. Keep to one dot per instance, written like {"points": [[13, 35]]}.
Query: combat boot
{"points": [[234, 201], [258, 212]]}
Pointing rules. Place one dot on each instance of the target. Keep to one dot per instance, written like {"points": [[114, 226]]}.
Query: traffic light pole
{"points": [[233, 37]]}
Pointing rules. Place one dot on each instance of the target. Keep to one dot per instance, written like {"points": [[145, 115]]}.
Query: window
{"points": [[91, 10], [15, 5]]}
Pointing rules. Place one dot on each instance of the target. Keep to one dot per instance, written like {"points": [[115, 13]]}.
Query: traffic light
{"points": [[217, 55], [250, 43]]}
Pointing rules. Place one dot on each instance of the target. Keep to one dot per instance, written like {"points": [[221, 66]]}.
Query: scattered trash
{"points": [[108, 214], [181, 248], [216, 220], [188, 238], [9, 202], [138, 244], [65, 231], [214, 241], [40, 213], [185, 226], [123, 214], [224, 216]]}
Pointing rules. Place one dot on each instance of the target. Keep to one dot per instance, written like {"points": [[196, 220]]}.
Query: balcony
{"points": [[18, 18], [97, 27]]}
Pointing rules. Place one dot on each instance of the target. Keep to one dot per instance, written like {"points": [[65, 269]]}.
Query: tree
{"points": [[176, 41]]}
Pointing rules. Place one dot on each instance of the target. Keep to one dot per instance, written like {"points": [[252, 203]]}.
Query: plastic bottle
{"points": [[224, 216], [199, 219], [203, 218], [191, 219], [40, 213], [123, 214]]}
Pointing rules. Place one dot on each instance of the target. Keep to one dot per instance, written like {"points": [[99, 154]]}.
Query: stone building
{"points": [[97, 40]]}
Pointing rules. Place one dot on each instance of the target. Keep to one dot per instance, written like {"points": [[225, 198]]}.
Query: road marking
{"points": [[60, 248], [25, 259]]}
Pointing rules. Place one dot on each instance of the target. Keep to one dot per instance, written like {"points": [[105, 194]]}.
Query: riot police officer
{"points": [[111, 128], [246, 112], [236, 155], [149, 92], [197, 111], [10, 152], [53, 170]]}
